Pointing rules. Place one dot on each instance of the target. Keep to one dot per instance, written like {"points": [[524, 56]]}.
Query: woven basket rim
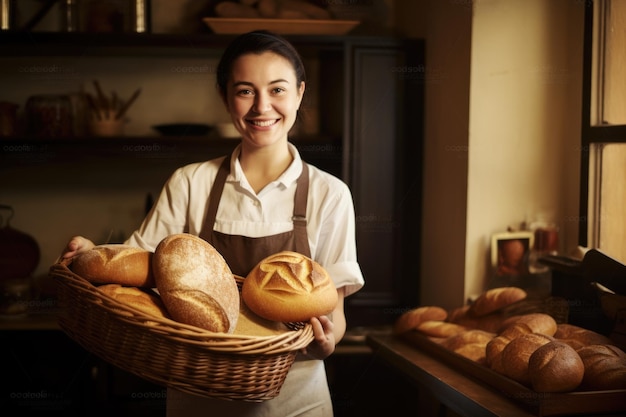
{"points": [[220, 342]]}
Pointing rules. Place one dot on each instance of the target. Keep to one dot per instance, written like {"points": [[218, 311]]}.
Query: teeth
{"points": [[263, 123]]}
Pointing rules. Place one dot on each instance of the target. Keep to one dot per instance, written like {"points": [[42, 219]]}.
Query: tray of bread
{"points": [[178, 317], [525, 350]]}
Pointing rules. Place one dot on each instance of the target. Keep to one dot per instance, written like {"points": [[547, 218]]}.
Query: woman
{"points": [[258, 201]]}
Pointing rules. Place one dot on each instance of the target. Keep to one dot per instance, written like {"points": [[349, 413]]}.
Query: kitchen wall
{"points": [[502, 140]]}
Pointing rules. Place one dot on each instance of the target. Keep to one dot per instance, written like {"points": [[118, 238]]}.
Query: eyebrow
{"points": [[280, 80]]}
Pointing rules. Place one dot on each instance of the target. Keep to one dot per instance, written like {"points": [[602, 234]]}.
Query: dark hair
{"points": [[257, 42]]}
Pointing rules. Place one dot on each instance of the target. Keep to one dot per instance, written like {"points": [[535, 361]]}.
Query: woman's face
{"points": [[263, 97]]}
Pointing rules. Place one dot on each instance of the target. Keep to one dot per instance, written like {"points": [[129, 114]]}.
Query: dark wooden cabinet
{"points": [[382, 164]]}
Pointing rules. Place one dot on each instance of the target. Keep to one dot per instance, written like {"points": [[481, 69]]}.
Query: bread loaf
{"points": [[115, 264], [529, 323], [491, 322], [495, 299], [605, 367], [409, 320], [493, 353], [196, 284], [555, 367], [438, 328], [289, 287], [470, 344], [578, 337], [145, 301], [516, 355]]}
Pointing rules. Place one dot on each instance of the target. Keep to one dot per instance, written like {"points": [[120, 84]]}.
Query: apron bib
{"points": [[243, 253]]}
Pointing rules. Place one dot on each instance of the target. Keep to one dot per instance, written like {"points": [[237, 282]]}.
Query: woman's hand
{"points": [[76, 245], [324, 343], [327, 331]]}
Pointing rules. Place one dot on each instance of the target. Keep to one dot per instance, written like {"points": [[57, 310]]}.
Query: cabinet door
{"points": [[382, 165]]}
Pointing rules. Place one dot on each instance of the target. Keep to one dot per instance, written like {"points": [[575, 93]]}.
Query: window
{"points": [[603, 192]]}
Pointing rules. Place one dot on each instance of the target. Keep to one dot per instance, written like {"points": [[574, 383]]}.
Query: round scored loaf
{"points": [[195, 283], [605, 367], [115, 264], [289, 287], [555, 367], [495, 299], [578, 337], [516, 355], [148, 303]]}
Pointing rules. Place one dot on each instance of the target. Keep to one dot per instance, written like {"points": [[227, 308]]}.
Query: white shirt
{"points": [[183, 203]]}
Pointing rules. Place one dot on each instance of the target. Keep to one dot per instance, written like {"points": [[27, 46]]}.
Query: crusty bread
{"points": [[516, 354], [495, 299], [605, 367], [491, 322], [493, 353], [289, 287], [555, 367], [467, 337], [146, 301], [438, 328], [578, 337], [115, 264], [470, 344], [529, 323], [409, 320], [196, 284]]}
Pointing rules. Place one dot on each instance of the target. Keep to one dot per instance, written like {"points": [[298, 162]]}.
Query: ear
{"points": [[301, 92]]}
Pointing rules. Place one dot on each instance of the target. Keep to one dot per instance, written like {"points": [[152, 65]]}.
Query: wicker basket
{"points": [[172, 354]]}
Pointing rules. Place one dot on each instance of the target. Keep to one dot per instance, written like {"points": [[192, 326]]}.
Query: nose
{"points": [[262, 103]]}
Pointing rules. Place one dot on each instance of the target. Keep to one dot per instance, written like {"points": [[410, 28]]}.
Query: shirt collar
{"points": [[291, 174]]}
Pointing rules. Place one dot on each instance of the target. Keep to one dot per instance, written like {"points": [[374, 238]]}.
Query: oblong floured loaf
{"points": [[496, 298], [411, 319], [115, 264], [289, 287], [195, 283]]}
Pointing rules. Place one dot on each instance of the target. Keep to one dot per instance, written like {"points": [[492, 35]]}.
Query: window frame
{"points": [[592, 134]]}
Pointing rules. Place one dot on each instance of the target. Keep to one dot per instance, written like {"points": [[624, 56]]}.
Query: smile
{"points": [[263, 123]]}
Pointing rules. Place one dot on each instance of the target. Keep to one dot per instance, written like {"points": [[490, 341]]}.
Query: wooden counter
{"points": [[455, 390]]}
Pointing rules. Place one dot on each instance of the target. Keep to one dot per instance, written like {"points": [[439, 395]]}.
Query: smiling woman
{"points": [[260, 200]]}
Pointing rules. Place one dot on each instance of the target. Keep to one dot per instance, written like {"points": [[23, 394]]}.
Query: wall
{"points": [[502, 134]]}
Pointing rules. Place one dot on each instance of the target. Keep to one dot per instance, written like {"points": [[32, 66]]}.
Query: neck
{"points": [[261, 166]]}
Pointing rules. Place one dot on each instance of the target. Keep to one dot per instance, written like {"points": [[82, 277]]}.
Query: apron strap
{"points": [[299, 212], [214, 200]]}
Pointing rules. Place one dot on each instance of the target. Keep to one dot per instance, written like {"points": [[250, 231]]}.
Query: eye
{"points": [[245, 92], [278, 90]]}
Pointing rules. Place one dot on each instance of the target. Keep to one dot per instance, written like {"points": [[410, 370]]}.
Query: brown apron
{"points": [[243, 253]]}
